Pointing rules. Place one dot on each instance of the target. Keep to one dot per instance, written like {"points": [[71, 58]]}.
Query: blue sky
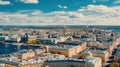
{"points": [[71, 12], [52, 5]]}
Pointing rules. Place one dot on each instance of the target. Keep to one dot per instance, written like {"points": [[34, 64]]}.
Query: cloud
{"points": [[90, 15], [38, 18], [62, 7], [116, 2], [4, 2], [98, 9], [101, 15], [94, 1], [29, 1]]}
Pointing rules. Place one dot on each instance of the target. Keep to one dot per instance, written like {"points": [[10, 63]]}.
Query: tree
{"points": [[82, 57], [34, 42], [115, 64]]}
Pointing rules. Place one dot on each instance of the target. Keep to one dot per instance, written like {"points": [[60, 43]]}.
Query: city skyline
{"points": [[59, 12]]}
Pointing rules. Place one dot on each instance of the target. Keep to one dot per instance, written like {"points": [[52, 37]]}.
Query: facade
{"points": [[31, 38], [69, 62], [68, 50], [117, 55], [2, 65], [27, 65], [52, 40], [95, 52], [28, 38], [28, 58], [26, 55], [14, 39], [4, 38], [38, 51]]}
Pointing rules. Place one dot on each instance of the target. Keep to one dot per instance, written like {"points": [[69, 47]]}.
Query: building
{"points": [[68, 49], [28, 38], [25, 54], [4, 38], [45, 40], [38, 51], [31, 38], [49, 56], [69, 62], [2, 64], [51, 40], [14, 39], [36, 61], [95, 52], [104, 45], [30, 63], [117, 55]]}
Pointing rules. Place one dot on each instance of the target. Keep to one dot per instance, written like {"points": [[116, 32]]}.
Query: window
{"points": [[72, 65]]}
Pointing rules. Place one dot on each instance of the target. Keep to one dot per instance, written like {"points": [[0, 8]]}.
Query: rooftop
{"points": [[88, 60], [95, 50]]}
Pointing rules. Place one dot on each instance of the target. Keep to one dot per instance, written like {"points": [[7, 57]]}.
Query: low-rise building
{"points": [[28, 38], [4, 38], [14, 39], [23, 63], [68, 49], [26, 54], [95, 52], [69, 62], [36, 61], [2, 64], [117, 55], [52, 40]]}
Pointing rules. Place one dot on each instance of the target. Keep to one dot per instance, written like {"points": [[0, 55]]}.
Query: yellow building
{"points": [[31, 38], [95, 52], [69, 62], [22, 63], [68, 50], [26, 54], [117, 55]]}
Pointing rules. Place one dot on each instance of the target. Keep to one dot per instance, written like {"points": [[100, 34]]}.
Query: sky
{"points": [[59, 12]]}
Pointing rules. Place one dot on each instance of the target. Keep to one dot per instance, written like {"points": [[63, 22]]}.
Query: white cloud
{"points": [[98, 9], [29, 1], [90, 15], [116, 1], [103, 15], [94, 1], [62, 7], [4, 2]]}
